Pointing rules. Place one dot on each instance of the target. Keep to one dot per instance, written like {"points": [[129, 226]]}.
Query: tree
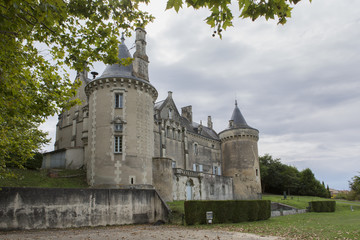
{"points": [[354, 184], [310, 186], [39, 38], [277, 177], [221, 14]]}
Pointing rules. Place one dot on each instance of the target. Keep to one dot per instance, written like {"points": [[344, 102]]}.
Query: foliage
{"points": [[354, 184], [277, 177], [177, 212], [322, 206], [227, 211], [37, 39], [299, 202], [34, 162], [40, 178], [222, 15]]}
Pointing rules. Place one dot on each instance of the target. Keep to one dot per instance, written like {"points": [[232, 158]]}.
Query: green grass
{"points": [[338, 225], [342, 224], [177, 212], [39, 178], [300, 202]]}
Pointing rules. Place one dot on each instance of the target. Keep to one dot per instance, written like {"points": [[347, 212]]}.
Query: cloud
{"points": [[298, 83]]}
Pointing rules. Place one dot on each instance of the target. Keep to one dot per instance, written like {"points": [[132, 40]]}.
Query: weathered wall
{"points": [[70, 123], [163, 177], [208, 153], [240, 160], [38, 208], [203, 186], [133, 165], [72, 158]]}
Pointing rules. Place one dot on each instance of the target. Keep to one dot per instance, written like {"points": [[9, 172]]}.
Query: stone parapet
{"points": [[134, 83]]}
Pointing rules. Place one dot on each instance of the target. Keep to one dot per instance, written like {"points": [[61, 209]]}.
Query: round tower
{"points": [[120, 123], [240, 156]]}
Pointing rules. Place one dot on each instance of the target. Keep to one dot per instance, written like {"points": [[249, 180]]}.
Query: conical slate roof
{"points": [[237, 119], [118, 70]]}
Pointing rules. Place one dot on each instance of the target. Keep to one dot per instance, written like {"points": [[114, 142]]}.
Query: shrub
{"points": [[322, 206], [35, 162], [232, 211]]}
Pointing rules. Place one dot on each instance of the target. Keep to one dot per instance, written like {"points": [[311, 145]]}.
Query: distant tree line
{"points": [[278, 178]]}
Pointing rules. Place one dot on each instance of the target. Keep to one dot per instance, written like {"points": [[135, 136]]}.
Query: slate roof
{"points": [[118, 70], [190, 127], [238, 119]]}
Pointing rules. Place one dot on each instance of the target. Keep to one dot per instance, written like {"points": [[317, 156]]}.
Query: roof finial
{"points": [[235, 98], [122, 38]]}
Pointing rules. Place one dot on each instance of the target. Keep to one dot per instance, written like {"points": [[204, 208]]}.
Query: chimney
{"points": [[186, 112], [169, 94], [209, 122], [141, 60]]}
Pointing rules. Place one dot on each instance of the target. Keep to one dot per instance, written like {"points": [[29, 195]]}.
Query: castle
{"points": [[125, 139]]}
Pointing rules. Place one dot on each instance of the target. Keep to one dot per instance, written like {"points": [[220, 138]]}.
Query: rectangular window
{"points": [[194, 167], [118, 127], [173, 164], [219, 171], [118, 100], [200, 168], [118, 144], [214, 170], [195, 149]]}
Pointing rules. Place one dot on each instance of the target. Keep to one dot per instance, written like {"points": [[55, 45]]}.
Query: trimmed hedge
{"points": [[322, 206], [232, 211]]}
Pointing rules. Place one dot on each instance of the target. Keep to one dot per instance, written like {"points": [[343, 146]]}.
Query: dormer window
{"points": [[118, 127]]}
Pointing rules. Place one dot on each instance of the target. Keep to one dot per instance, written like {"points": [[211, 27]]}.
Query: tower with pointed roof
{"points": [[240, 156], [120, 124], [126, 140]]}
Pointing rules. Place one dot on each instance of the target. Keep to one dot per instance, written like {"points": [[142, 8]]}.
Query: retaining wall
{"points": [[37, 208]]}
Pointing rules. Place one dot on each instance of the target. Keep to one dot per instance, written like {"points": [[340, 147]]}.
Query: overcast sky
{"points": [[297, 83]]}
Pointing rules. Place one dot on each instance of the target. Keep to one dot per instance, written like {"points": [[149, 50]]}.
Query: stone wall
{"points": [[39, 208], [72, 158], [163, 177], [201, 186]]}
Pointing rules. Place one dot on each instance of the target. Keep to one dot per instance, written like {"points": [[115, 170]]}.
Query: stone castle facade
{"points": [[126, 139]]}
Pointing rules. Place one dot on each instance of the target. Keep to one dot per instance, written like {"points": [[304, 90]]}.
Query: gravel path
{"points": [[133, 232]]}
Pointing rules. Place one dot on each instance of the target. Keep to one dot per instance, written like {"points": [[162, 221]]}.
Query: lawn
{"points": [[342, 224], [40, 178]]}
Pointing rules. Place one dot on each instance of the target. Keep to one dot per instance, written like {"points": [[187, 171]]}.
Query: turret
{"points": [[120, 134], [240, 156], [141, 60]]}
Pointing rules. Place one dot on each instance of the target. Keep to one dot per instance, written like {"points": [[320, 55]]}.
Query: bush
{"points": [[232, 211], [35, 162], [322, 206]]}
